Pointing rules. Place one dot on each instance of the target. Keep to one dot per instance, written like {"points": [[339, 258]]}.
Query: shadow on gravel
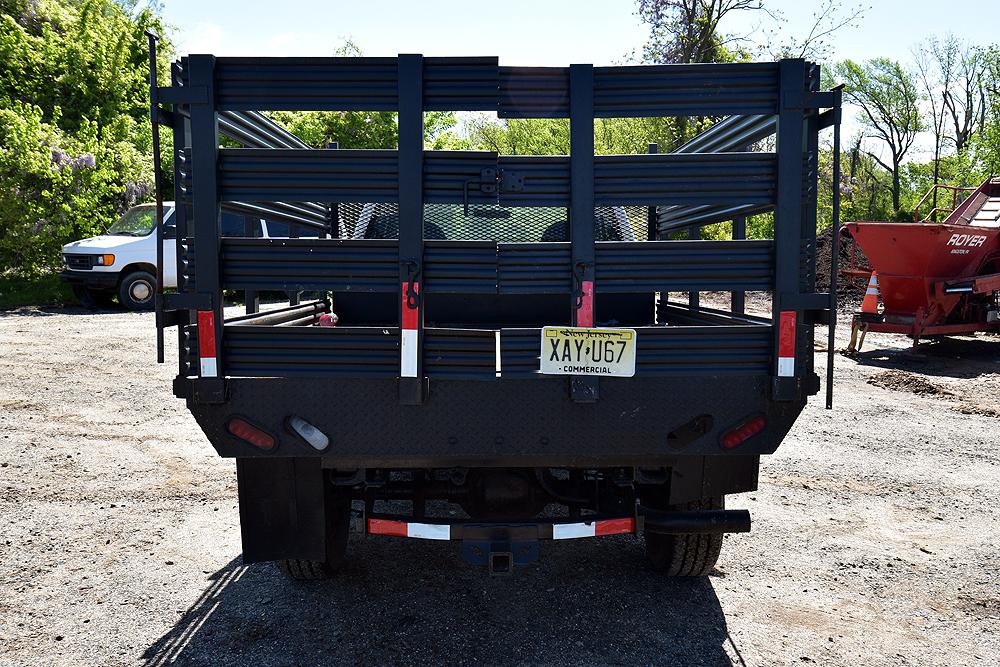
{"points": [[961, 358], [46, 311], [407, 602]]}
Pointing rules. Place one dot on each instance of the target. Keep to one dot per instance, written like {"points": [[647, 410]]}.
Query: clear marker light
{"points": [[315, 437]]}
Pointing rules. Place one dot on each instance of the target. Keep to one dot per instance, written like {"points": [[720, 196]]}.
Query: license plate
{"points": [[584, 351]]}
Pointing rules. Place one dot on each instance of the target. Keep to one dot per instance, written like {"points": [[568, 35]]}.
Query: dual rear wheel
{"points": [[338, 523], [686, 555]]}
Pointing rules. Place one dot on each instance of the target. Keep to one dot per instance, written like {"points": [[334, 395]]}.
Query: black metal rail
{"points": [[485, 267], [472, 354]]}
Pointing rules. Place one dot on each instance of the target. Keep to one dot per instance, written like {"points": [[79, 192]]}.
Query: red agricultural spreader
{"points": [[933, 278]]}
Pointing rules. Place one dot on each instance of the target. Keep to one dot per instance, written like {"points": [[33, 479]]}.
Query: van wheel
{"points": [[686, 555], [137, 291], [338, 524]]}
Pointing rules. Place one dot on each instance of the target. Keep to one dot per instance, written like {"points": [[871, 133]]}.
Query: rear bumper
{"points": [[100, 280], [664, 523], [507, 423]]}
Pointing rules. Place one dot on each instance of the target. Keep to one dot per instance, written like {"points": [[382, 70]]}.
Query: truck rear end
{"points": [[507, 365]]}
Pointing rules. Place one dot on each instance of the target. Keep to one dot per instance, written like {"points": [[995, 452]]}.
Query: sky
{"points": [[538, 32], [525, 32]]}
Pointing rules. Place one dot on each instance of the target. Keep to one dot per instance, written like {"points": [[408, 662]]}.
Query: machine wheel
{"points": [[338, 524], [137, 290], [689, 555]]}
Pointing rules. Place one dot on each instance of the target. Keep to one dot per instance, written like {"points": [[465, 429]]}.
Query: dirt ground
{"points": [[875, 540]]}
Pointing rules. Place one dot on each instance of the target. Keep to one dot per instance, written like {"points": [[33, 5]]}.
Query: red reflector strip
{"points": [[206, 343], [615, 527], [786, 344], [408, 335], [585, 313], [569, 531], [244, 430], [423, 531], [387, 527]]}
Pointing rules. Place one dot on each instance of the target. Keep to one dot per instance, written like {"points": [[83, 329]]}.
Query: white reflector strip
{"points": [[567, 531], [786, 367], [428, 531], [209, 369], [497, 339], [409, 353]]}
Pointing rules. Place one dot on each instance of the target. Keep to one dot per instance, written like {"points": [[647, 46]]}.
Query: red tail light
{"points": [[743, 432], [257, 437]]}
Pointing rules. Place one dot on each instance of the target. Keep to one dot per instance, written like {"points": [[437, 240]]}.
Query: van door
{"points": [[169, 249]]}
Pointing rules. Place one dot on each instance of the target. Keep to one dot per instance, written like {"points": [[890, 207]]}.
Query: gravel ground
{"points": [[875, 536]]}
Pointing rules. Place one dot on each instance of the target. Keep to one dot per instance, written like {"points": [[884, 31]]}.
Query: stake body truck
{"points": [[507, 365]]}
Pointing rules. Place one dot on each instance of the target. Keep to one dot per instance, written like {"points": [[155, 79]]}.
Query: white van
{"points": [[122, 261]]}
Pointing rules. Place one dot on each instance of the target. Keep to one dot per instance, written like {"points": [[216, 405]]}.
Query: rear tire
{"points": [[338, 524], [304, 570], [690, 554], [137, 290]]}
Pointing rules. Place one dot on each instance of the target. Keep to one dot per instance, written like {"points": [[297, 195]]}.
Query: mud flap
{"points": [[693, 478], [282, 508]]}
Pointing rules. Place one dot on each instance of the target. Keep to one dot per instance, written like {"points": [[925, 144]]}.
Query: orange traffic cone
{"points": [[870, 303]]}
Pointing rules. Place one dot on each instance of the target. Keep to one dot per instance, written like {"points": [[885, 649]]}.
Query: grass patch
{"points": [[42, 290]]}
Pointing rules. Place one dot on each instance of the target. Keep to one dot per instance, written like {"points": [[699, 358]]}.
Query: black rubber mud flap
{"points": [[694, 478], [282, 509]]}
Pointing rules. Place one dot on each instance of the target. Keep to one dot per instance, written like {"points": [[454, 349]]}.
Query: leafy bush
{"points": [[74, 130]]}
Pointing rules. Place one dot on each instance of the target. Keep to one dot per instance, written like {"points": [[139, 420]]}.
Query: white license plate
{"points": [[583, 351]]}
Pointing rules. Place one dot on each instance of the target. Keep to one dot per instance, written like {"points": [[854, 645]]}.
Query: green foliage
{"points": [[545, 136], [74, 130], [888, 97], [365, 129], [44, 289], [687, 31]]}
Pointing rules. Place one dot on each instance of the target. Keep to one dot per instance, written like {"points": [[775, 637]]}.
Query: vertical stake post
{"points": [[583, 389], [738, 297], [411, 228], [786, 318], [206, 212]]}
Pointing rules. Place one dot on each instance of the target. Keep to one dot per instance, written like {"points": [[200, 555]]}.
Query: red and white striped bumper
{"points": [[459, 531]]}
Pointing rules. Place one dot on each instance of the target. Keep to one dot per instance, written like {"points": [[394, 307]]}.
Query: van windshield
{"points": [[137, 221]]}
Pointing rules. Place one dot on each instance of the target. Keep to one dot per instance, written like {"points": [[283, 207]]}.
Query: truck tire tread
{"points": [[686, 555], [304, 570]]}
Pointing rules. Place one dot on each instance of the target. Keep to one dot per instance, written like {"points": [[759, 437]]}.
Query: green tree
{"points": [[687, 31], [888, 98]]}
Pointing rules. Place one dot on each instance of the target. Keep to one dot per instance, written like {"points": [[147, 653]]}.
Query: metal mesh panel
{"points": [[490, 222]]}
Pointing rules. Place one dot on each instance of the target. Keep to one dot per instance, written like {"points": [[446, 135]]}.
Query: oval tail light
{"points": [[247, 432], [737, 436]]}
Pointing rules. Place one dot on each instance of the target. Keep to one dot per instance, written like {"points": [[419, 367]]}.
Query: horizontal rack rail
{"points": [[481, 84], [291, 175], [475, 354], [486, 267]]}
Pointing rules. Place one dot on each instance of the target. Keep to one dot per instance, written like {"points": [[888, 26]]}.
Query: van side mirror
{"points": [[170, 231]]}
